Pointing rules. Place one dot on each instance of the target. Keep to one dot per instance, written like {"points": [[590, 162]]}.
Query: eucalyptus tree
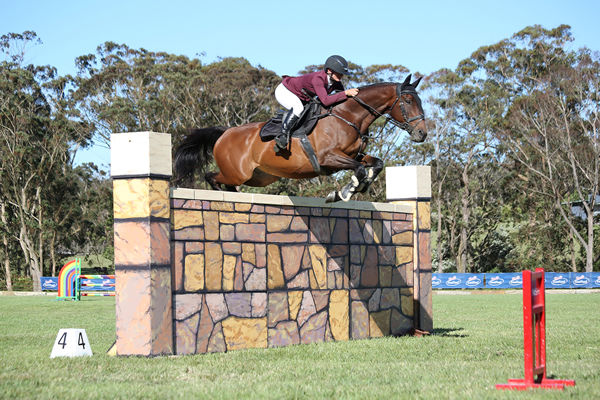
{"points": [[36, 138], [550, 119]]}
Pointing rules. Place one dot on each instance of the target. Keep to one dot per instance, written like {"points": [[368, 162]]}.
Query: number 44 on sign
{"points": [[71, 343]]}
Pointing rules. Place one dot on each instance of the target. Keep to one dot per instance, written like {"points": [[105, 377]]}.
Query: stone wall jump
{"points": [[203, 271]]}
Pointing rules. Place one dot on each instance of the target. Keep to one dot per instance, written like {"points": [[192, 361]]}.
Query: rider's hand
{"points": [[351, 92]]}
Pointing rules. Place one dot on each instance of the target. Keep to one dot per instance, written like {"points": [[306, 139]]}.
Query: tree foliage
{"points": [[513, 140]]}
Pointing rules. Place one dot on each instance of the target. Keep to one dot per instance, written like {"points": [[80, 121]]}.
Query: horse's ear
{"points": [[407, 80], [417, 82]]}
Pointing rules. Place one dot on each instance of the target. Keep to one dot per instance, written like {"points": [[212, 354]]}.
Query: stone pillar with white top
{"points": [[141, 169], [411, 186]]}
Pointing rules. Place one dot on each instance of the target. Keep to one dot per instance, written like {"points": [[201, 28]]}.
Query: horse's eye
{"points": [[408, 101]]}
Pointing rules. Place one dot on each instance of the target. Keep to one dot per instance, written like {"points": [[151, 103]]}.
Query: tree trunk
{"points": [[461, 260], [440, 267], [53, 252], [589, 260], [573, 255], [7, 273]]}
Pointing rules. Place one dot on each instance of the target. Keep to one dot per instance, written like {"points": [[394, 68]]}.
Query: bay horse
{"points": [[338, 139]]}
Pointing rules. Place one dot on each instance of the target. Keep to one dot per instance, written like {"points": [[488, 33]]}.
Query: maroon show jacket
{"points": [[315, 83]]}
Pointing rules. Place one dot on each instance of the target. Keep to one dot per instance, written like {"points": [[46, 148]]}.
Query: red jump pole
{"points": [[534, 337]]}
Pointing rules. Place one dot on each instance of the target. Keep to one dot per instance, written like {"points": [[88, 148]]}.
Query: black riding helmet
{"points": [[337, 64]]}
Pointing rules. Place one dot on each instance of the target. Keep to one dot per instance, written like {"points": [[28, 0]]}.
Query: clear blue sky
{"points": [[284, 36]]}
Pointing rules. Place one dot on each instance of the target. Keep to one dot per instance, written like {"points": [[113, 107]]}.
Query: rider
{"points": [[290, 94]]}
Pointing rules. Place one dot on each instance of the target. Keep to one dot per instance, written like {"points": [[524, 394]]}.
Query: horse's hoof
{"points": [[332, 197]]}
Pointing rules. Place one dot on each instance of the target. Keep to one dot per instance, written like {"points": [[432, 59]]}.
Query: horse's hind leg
{"points": [[215, 179]]}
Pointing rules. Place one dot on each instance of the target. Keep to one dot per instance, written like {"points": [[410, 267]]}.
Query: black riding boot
{"points": [[287, 123]]}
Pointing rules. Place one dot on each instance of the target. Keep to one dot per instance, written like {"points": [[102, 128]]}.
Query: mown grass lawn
{"points": [[477, 343]]}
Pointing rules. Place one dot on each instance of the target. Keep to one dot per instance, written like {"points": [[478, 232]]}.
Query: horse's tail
{"points": [[194, 153]]}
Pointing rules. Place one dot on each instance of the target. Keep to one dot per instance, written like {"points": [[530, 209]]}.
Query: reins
{"points": [[388, 118]]}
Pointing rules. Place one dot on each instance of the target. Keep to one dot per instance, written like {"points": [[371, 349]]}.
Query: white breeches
{"points": [[289, 100]]}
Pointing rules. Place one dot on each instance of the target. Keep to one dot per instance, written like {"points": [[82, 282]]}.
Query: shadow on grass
{"points": [[453, 332]]}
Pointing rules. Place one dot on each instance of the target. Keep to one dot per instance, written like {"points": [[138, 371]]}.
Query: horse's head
{"points": [[408, 111]]}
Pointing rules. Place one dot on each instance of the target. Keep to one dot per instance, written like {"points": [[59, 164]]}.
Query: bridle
{"points": [[401, 103]]}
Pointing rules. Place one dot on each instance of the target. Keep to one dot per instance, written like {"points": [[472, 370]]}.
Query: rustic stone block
{"points": [[339, 314], [274, 271], [217, 340], [360, 320], [221, 206], [244, 207], [400, 324], [205, 328], [211, 225], [217, 306], [370, 271], [186, 218], [299, 224], [185, 332], [239, 304], [379, 323], [194, 247], [404, 254], [141, 198], [355, 232], [291, 258], [194, 272], [257, 218], [213, 266], [259, 304], [318, 256], [284, 334], [385, 276], [307, 308], [340, 231], [243, 333], [250, 232], [257, 280], [177, 265], [313, 331], [227, 232], [424, 213], [232, 248], [233, 218], [229, 263], [321, 298], [278, 308], [403, 239], [278, 223], [407, 301], [294, 302], [390, 297], [319, 229]]}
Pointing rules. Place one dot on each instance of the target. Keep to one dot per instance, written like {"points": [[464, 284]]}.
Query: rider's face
{"points": [[335, 76]]}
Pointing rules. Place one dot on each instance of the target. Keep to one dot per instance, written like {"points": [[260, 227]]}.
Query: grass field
{"points": [[477, 343]]}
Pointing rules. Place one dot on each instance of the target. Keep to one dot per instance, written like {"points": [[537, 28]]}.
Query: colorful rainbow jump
{"points": [[71, 284]]}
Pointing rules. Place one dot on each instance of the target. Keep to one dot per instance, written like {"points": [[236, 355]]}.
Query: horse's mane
{"points": [[375, 85]]}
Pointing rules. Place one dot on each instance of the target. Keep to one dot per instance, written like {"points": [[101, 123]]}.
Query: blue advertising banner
{"points": [[505, 280], [98, 282], [49, 283], [595, 279], [558, 280], [554, 280], [457, 281], [582, 280]]}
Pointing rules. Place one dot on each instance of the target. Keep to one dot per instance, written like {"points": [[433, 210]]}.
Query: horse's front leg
{"points": [[338, 161], [373, 166]]}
